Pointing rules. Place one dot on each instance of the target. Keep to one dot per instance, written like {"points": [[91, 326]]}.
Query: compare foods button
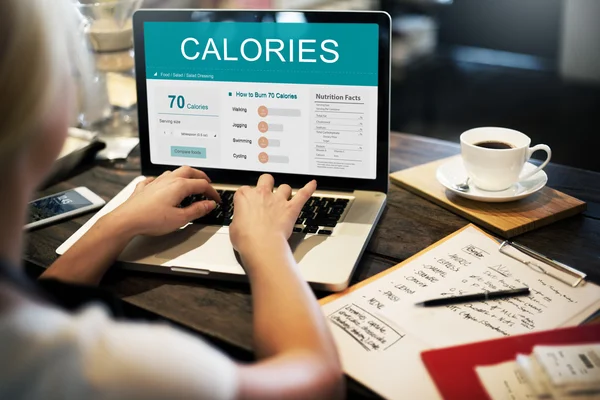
{"points": [[191, 152]]}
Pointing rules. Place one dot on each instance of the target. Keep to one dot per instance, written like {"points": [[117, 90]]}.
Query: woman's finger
{"points": [[284, 191], [198, 209], [241, 192], [266, 181], [198, 186], [162, 176], [189, 172], [303, 195], [141, 185]]}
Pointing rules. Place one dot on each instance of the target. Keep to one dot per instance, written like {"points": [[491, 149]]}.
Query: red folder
{"points": [[453, 368]]}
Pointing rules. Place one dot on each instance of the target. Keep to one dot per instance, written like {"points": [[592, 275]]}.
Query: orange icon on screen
{"points": [[263, 126], [263, 157], [263, 142], [263, 111]]}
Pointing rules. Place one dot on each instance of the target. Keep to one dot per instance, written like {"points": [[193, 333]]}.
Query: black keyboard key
{"points": [[311, 229], [200, 221], [310, 222], [299, 221], [297, 229], [187, 201], [324, 232], [321, 222]]}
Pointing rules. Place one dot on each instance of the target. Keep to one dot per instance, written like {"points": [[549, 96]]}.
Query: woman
{"points": [[47, 352]]}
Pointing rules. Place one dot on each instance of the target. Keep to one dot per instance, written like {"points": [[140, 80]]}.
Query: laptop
{"points": [[298, 94]]}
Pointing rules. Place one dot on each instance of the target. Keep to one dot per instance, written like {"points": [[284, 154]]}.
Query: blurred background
{"points": [[530, 65]]}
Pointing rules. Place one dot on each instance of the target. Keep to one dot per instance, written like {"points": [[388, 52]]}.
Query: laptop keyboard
{"points": [[319, 215]]}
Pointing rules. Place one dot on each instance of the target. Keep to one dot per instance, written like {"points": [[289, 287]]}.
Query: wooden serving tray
{"points": [[505, 219]]}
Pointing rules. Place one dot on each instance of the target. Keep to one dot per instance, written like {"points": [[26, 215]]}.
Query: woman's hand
{"points": [[261, 215], [153, 208], [292, 338]]}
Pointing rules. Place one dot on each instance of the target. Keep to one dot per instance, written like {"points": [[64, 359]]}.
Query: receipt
{"points": [[577, 365], [550, 372]]}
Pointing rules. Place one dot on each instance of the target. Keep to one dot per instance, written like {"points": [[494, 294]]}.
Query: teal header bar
{"points": [[267, 52]]}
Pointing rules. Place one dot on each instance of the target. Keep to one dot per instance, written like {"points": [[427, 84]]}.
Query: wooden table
{"points": [[222, 312]]}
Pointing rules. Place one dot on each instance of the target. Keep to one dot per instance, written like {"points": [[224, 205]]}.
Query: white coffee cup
{"points": [[498, 169]]}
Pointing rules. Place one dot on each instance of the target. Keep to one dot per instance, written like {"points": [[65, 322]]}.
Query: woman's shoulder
{"points": [[90, 352], [34, 340], [40, 328]]}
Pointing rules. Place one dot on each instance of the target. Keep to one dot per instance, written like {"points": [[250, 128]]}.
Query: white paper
{"points": [[467, 263], [117, 147], [71, 145], [505, 381]]}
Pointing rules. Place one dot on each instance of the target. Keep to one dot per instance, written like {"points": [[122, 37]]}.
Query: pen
{"points": [[475, 297]]}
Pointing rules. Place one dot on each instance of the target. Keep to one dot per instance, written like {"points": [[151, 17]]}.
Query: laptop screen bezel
{"points": [[242, 177]]}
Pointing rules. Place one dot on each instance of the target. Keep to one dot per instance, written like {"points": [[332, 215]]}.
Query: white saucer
{"points": [[453, 172]]}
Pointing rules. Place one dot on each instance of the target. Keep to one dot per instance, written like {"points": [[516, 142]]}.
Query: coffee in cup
{"points": [[494, 157]]}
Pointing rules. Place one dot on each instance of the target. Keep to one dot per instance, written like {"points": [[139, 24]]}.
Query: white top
{"points": [[46, 353]]}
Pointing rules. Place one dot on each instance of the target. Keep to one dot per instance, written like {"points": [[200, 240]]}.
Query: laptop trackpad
{"points": [[195, 239], [301, 245], [171, 246]]}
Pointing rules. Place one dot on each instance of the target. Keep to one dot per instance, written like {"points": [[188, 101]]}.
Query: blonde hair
{"points": [[39, 46]]}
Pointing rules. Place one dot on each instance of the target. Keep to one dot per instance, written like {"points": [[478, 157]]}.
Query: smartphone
{"points": [[61, 206]]}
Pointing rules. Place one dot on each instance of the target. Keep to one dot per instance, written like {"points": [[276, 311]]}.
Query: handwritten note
{"points": [[381, 316], [372, 333]]}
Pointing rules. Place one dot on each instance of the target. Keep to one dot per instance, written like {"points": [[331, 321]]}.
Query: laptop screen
{"points": [[277, 97]]}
